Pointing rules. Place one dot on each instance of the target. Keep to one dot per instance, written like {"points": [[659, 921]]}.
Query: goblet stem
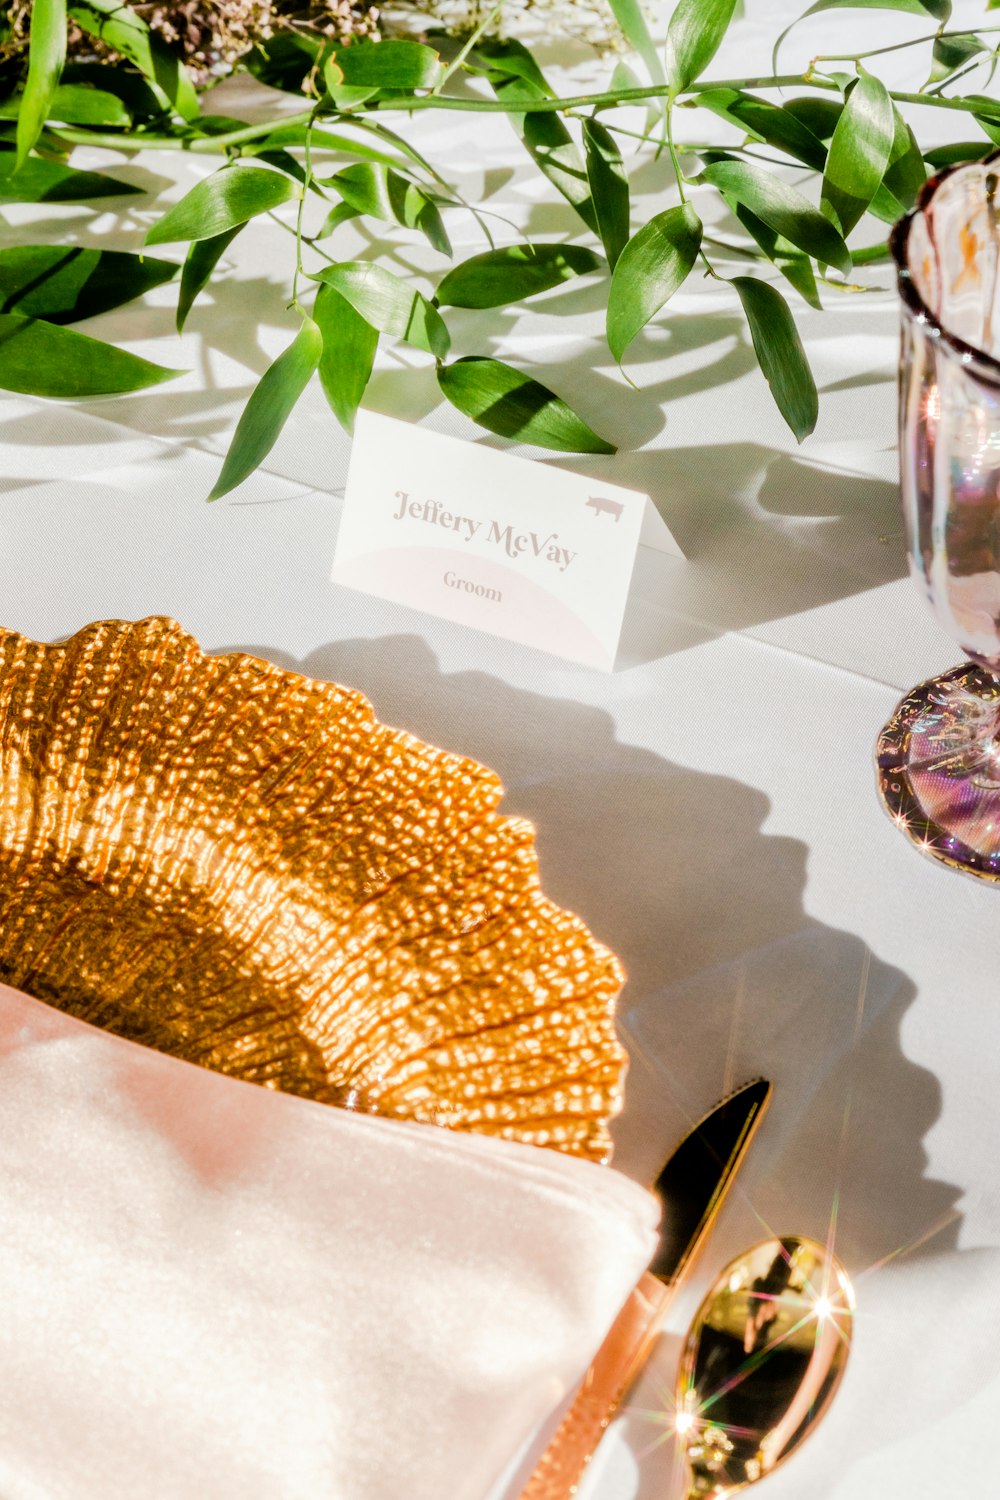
{"points": [[965, 740], [985, 770]]}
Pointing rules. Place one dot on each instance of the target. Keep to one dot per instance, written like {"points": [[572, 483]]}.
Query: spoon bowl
{"points": [[763, 1358]]}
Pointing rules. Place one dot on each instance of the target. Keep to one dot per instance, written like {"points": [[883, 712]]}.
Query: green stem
{"points": [[216, 145], [309, 240], [743, 251], [917, 41], [668, 118], [219, 144], [209, 145], [637, 96], [470, 42], [967, 106], [684, 148], [870, 255], [298, 218], [977, 62], [607, 100]]}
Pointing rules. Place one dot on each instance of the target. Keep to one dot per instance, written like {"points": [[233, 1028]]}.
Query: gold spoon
{"points": [[762, 1361]]}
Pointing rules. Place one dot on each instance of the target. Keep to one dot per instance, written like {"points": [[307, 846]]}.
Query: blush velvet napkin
{"points": [[213, 1290]]}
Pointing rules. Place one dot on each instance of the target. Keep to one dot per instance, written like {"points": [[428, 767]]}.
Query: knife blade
{"points": [[692, 1184]]}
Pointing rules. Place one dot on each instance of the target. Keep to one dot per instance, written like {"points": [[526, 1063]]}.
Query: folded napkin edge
{"points": [[599, 1189]]}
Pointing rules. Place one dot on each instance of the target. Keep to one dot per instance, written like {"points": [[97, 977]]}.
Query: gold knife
{"points": [[692, 1184]]}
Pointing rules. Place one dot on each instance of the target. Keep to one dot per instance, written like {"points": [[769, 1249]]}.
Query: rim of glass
{"points": [[986, 364]]}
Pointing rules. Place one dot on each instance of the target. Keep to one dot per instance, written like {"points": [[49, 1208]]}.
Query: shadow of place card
{"points": [[519, 549]]}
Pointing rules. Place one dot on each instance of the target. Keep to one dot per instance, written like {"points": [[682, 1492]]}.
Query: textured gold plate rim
{"points": [[49, 738]]}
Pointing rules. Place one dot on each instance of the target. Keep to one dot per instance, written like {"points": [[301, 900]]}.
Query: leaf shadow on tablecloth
{"points": [[786, 533], [767, 535], [729, 976]]}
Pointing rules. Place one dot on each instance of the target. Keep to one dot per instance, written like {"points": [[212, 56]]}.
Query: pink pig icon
{"points": [[598, 504]]}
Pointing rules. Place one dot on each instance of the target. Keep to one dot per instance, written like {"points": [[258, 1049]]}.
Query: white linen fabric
{"points": [[213, 1290]]}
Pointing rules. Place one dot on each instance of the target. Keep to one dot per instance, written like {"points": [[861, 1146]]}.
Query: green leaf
{"points": [[783, 208], [766, 238], [140, 101], [395, 140], [951, 52], [987, 115], [904, 176], [632, 22], [283, 61], [991, 128], [859, 153], [269, 408], [984, 105], [340, 213], [76, 104], [199, 263], [421, 212], [957, 152], [510, 59], [767, 122], [554, 152], [798, 272], [939, 9], [652, 266], [389, 64], [622, 77], [46, 56], [327, 140], [123, 29], [349, 344], [608, 188], [551, 147], [230, 197], [64, 283], [38, 358], [503, 400], [696, 29], [389, 304], [497, 277], [385, 194], [793, 265], [219, 124], [780, 353], [282, 161], [818, 115], [345, 96], [41, 181]]}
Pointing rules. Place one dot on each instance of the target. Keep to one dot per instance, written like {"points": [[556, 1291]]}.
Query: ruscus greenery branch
{"points": [[845, 139]]}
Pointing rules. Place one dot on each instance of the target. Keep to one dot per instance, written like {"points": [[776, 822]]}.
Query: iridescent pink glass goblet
{"points": [[939, 755]]}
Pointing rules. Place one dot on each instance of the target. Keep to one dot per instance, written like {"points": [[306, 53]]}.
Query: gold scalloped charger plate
{"points": [[245, 869]]}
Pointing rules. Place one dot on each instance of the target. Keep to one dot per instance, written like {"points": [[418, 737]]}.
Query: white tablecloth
{"points": [[709, 808]]}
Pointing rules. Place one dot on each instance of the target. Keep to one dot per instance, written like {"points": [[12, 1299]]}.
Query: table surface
{"points": [[709, 808]]}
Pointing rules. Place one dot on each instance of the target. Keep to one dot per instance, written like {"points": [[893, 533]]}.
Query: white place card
{"points": [[520, 549]]}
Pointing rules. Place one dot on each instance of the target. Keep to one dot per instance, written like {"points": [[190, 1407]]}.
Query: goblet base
{"points": [[939, 769]]}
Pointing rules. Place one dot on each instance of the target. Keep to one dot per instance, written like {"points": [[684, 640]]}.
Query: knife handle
{"points": [[614, 1369]]}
